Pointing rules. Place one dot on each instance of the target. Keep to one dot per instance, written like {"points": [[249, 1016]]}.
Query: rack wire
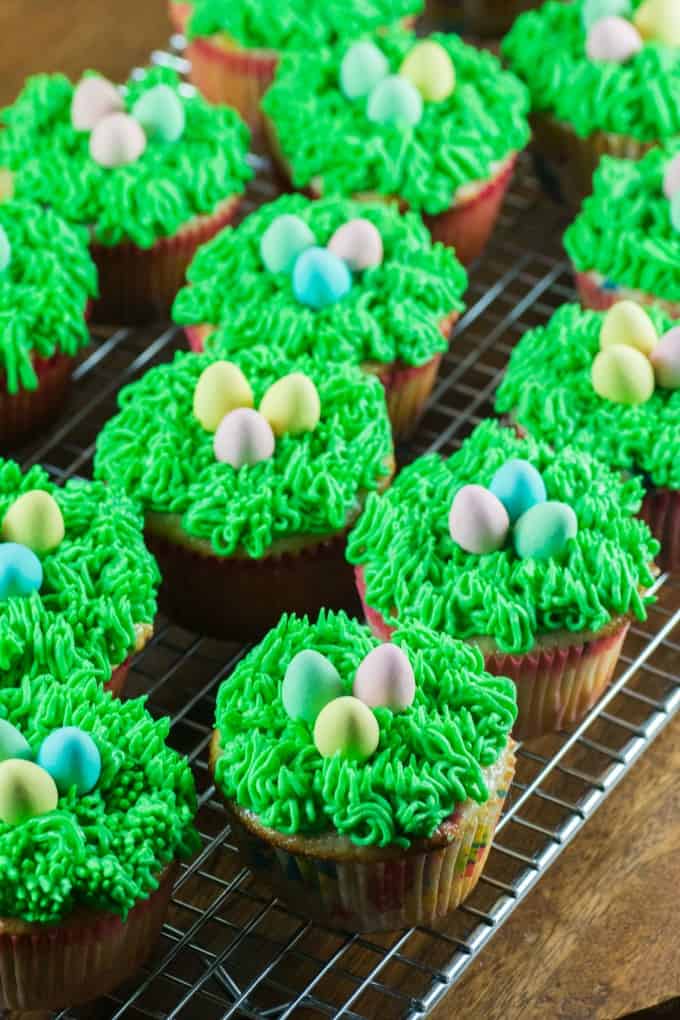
{"points": [[229, 949]]}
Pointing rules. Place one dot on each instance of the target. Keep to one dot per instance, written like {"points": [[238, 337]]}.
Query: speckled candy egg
{"points": [[320, 278], [5, 250], [221, 388], [544, 530], [665, 360], [284, 241], [34, 520], [72, 758], [671, 178], [659, 20], [595, 10], [291, 405], [385, 679], [478, 521], [358, 243], [613, 39], [244, 437], [21, 571], [519, 486], [623, 375], [362, 67], [628, 323], [346, 726], [26, 791], [430, 69], [395, 100], [161, 113], [311, 681], [93, 99], [13, 743], [117, 140]]}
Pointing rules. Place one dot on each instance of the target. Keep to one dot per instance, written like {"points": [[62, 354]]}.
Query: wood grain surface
{"points": [[598, 938]]}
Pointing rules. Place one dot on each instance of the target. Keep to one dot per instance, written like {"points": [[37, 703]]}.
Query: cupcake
{"points": [[77, 553], [391, 297], [250, 475], [607, 384], [604, 77], [364, 782], [533, 557], [95, 814], [624, 245], [150, 170], [46, 280], [432, 125], [235, 45]]}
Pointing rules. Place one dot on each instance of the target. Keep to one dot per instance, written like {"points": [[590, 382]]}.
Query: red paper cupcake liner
{"points": [[27, 411], [600, 294], [179, 15], [661, 511]]}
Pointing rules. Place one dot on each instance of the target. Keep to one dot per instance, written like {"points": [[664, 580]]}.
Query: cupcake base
{"points": [[340, 885], [27, 411], [597, 292], [661, 511]]}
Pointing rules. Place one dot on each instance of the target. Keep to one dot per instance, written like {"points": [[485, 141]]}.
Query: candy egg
{"points": [[13, 743], [221, 388], [358, 243], [93, 99], [117, 140], [613, 39], [26, 791], [623, 375], [395, 100], [310, 682], [5, 250], [675, 211], [671, 178], [6, 184], [21, 571], [348, 727], [385, 679], [659, 20], [628, 323], [518, 485], [72, 759], [283, 241], [320, 278], [243, 437], [34, 520], [292, 405], [595, 10], [429, 67], [478, 521], [161, 113], [362, 67], [544, 530], [665, 360]]}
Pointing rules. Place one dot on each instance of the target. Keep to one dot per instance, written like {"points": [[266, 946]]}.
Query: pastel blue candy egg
{"points": [[283, 241], [72, 759], [310, 682], [5, 250], [519, 486], [320, 278], [161, 113], [395, 100], [21, 571], [362, 67], [595, 10], [13, 743], [544, 530]]}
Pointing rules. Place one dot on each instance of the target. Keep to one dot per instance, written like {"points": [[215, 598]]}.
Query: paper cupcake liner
{"points": [[661, 511], [139, 284], [47, 967], [27, 411], [354, 888], [600, 293], [179, 15]]}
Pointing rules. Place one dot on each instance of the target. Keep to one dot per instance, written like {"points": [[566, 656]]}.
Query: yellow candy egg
{"points": [[26, 791], [628, 323], [6, 184], [34, 520], [292, 405], [659, 20], [221, 388], [623, 375], [429, 67], [346, 726]]}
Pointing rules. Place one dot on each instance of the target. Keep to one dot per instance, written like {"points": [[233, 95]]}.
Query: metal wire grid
{"points": [[228, 948]]}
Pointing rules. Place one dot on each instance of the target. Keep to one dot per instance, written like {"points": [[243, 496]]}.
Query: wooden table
{"points": [[598, 938]]}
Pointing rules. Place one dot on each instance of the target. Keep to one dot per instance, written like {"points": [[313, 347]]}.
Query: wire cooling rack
{"points": [[228, 948]]}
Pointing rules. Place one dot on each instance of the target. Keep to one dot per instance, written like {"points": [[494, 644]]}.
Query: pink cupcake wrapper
{"points": [[600, 294], [233, 77]]}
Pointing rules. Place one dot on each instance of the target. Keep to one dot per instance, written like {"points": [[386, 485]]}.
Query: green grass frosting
{"points": [[639, 98], [100, 580], [104, 850], [295, 24], [429, 760], [392, 313], [460, 140], [313, 484], [414, 571], [44, 291], [169, 185], [624, 230], [548, 390]]}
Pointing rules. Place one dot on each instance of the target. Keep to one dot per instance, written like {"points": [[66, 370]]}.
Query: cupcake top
{"points": [[135, 164], [402, 287], [551, 390], [429, 722], [75, 555], [46, 279], [628, 230], [189, 442], [602, 65], [296, 24], [505, 542], [93, 805], [348, 123]]}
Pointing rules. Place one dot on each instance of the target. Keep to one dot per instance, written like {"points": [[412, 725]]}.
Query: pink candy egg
{"points": [[358, 243], [93, 99], [671, 179], [665, 359], [613, 39], [478, 521], [385, 679], [117, 140], [243, 437]]}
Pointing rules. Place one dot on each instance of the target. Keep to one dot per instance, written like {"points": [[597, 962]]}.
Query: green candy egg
{"points": [[362, 67], [13, 743], [347, 727], [161, 113], [310, 683], [5, 250], [544, 530], [221, 388], [283, 241], [623, 375], [26, 791], [395, 100], [34, 520]]}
